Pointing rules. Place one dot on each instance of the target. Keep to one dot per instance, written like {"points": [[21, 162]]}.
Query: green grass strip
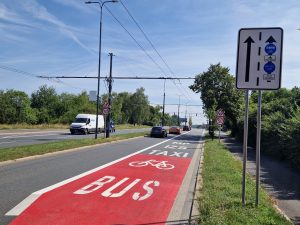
{"points": [[220, 196], [39, 149], [61, 126]]}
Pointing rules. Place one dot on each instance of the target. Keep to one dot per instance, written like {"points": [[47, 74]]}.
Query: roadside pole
{"points": [[108, 116], [245, 144], [220, 117], [219, 133], [258, 68], [258, 135]]}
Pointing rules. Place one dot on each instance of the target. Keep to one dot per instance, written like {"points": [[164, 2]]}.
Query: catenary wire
{"points": [[152, 45]]}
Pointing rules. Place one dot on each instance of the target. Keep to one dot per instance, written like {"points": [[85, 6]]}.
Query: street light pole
{"points": [[178, 111], [99, 62]]}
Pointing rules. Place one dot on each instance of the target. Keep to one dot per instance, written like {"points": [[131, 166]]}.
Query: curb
{"points": [[186, 194], [197, 193]]}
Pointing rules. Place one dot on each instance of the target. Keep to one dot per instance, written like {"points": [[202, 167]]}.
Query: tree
{"points": [[15, 108], [154, 117], [139, 107], [46, 101], [190, 121], [217, 88]]}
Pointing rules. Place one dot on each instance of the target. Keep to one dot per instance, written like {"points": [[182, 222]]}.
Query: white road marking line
{"points": [[34, 132], [18, 209], [17, 136], [6, 142]]}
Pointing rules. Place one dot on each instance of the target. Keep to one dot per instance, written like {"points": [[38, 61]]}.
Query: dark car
{"points": [[186, 128], [158, 131]]}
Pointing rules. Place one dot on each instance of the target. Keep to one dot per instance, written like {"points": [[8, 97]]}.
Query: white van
{"points": [[86, 123]]}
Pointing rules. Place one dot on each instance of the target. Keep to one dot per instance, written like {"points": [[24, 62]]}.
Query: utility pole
{"points": [[178, 112], [185, 114], [163, 113], [109, 81]]}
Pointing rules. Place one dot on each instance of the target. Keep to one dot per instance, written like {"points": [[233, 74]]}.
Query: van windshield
{"points": [[80, 120]]}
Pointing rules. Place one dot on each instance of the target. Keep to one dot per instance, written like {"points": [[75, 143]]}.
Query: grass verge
{"points": [[39, 149], [130, 126], [220, 196], [30, 126], [61, 126]]}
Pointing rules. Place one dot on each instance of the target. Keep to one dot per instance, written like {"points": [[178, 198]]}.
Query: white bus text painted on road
{"points": [[94, 186]]}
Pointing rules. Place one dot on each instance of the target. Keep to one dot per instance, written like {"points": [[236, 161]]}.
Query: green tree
{"points": [[139, 107], [190, 121], [15, 108], [217, 89], [46, 101], [154, 116]]}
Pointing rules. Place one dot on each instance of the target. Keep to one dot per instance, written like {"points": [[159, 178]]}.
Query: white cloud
{"points": [[40, 12]]}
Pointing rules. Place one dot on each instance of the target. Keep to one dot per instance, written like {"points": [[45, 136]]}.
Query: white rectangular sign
{"points": [[259, 58]]}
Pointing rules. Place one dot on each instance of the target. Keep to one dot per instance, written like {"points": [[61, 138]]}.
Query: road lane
{"points": [[21, 179], [13, 139]]}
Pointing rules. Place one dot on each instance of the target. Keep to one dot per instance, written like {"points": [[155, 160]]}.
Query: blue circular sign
{"points": [[270, 49], [269, 67]]}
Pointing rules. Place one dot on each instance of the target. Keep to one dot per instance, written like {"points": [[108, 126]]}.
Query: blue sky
{"points": [[60, 38]]}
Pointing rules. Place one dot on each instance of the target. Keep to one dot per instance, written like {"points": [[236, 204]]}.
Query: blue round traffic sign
{"points": [[269, 67], [270, 49]]}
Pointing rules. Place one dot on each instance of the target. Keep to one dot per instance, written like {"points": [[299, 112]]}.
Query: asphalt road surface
{"points": [[29, 137], [156, 167]]}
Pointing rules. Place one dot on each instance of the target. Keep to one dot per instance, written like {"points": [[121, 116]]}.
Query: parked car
{"points": [[158, 131], [174, 130], [186, 128]]}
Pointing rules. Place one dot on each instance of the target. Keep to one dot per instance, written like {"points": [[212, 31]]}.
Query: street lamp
{"points": [[101, 4], [178, 110]]}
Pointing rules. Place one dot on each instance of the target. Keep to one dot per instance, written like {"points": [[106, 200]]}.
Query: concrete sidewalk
{"points": [[280, 181]]}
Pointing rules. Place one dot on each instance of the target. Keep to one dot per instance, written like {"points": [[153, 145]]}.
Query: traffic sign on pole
{"points": [[259, 58], [105, 111], [220, 113], [105, 105], [220, 120]]}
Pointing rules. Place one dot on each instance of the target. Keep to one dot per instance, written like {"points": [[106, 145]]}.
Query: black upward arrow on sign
{"points": [[248, 41], [271, 39]]}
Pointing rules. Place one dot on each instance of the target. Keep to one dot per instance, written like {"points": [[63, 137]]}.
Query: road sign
{"points": [[105, 105], [220, 113], [105, 111], [259, 58], [220, 120]]}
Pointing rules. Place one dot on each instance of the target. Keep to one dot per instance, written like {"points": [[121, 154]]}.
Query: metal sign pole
{"points": [[219, 133], [258, 135], [245, 145]]}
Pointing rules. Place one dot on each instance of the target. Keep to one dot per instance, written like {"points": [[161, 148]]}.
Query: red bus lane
{"points": [[138, 190]]}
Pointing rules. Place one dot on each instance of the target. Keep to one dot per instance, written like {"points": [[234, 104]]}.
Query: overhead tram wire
{"points": [[53, 79], [18, 71], [152, 45], [143, 49], [140, 28], [116, 77]]}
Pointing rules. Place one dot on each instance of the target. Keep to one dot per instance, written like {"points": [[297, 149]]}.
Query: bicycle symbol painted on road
{"points": [[163, 165]]}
